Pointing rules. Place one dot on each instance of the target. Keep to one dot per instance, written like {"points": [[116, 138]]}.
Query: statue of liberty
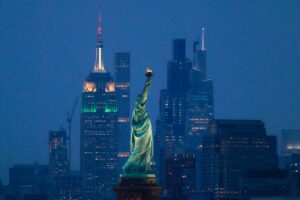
{"points": [[141, 139]]}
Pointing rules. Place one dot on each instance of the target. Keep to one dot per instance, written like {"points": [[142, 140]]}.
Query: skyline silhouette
{"points": [[47, 49]]}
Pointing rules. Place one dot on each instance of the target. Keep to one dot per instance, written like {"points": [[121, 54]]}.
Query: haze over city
{"points": [[47, 50]]}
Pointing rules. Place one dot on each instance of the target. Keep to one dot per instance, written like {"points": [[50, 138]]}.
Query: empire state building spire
{"points": [[99, 65]]}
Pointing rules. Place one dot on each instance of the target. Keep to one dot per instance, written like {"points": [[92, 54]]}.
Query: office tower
{"points": [[171, 120], [99, 139], [180, 174], [170, 125], [31, 179], [199, 103], [230, 149], [122, 80], [200, 108], [58, 153]]}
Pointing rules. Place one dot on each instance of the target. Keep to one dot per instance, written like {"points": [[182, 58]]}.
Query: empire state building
{"points": [[98, 132]]}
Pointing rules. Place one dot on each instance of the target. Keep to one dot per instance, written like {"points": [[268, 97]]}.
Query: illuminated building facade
{"points": [[230, 149], [200, 103], [58, 153], [122, 80], [99, 139]]}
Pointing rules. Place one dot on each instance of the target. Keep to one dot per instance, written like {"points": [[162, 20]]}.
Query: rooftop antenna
{"points": [[99, 65]]}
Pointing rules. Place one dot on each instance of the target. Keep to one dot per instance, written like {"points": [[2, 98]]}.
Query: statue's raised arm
{"points": [[138, 163], [147, 84]]}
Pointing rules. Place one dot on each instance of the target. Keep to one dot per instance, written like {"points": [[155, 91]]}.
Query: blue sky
{"points": [[48, 47]]}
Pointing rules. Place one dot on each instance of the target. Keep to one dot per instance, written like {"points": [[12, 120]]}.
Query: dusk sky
{"points": [[47, 48]]}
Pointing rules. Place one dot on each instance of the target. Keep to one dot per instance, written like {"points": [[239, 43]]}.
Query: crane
{"points": [[69, 121]]}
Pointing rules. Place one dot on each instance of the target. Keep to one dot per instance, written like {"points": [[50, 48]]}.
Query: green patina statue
{"points": [[138, 163]]}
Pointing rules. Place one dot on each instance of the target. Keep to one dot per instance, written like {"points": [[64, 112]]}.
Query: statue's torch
{"points": [[149, 72]]}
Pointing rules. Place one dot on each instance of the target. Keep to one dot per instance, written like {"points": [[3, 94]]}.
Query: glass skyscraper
{"points": [[122, 80], [173, 99], [170, 125], [199, 101]]}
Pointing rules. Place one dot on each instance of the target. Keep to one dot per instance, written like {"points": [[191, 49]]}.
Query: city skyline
{"points": [[67, 93]]}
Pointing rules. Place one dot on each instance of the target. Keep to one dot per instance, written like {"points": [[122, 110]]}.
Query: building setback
{"points": [[98, 137]]}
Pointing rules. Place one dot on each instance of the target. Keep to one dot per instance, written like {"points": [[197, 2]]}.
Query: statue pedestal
{"points": [[137, 189]]}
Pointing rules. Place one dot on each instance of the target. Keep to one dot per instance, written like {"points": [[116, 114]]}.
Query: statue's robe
{"points": [[141, 139]]}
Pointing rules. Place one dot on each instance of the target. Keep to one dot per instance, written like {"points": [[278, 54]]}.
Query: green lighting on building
{"points": [[91, 109], [110, 109]]}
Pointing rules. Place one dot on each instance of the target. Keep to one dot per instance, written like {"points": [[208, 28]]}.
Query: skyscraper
{"points": [[170, 127], [200, 103], [58, 153], [232, 148], [122, 79], [99, 139], [173, 100]]}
